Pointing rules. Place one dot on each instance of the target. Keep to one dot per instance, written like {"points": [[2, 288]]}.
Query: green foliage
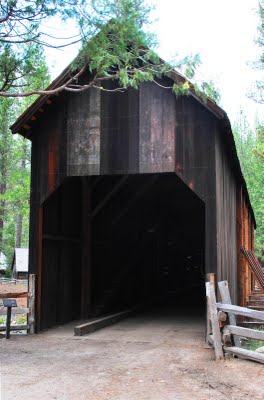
{"points": [[188, 65], [21, 39], [116, 45], [210, 90], [8, 273], [21, 319], [14, 199], [205, 89], [15, 157], [20, 67], [121, 48], [250, 147], [180, 89]]}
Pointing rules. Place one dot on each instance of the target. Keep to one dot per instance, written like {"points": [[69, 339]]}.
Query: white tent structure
{"points": [[3, 263], [20, 264]]}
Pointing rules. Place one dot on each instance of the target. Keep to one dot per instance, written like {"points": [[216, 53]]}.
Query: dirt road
{"points": [[147, 357]]}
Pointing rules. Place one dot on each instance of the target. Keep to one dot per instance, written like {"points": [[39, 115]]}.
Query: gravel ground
{"points": [[151, 356]]}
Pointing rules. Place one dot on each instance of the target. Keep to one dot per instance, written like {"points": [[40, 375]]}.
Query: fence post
{"points": [[8, 322], [226, 299], [211, 301], [31, 303], [209, 278]]}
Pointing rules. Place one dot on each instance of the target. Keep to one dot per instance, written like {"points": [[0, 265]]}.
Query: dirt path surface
{"points": [[145, 357]]}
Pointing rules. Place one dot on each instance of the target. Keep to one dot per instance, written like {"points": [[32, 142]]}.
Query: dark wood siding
{"points": [[61, 255], [49, 151], [245, 238], [119, 132], [226, 218], [156, 129], [83, 133], [195, 163], [122, 135]]}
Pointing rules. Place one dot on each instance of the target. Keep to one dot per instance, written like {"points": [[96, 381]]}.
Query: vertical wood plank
{"points": [[156, 129], [86, 248], [39, 273], [226, 299], [226, 191], [31, 303], [211, 300], [83, 133], [210, 277]]}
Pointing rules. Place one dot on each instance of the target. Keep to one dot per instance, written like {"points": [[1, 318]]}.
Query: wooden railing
{"points": [[29, 310], [14, 281], [254, 266], [222, 332]]}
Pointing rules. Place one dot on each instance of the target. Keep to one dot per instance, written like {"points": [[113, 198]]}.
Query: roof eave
{"points": [[40, 101]]}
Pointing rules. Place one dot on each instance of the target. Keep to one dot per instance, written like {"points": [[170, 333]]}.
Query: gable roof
{"points": [[21, 125], [20, 260], [26, 120]]}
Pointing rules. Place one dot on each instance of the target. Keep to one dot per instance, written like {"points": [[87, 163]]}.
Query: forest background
{"points": [[23, 69]]}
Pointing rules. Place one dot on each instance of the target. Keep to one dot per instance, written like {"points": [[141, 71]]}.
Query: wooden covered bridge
{"points": [[134, 196]]}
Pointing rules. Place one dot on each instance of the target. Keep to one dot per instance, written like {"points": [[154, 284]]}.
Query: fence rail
{"points": [[14, 281], [222, 331], [255, 267]]}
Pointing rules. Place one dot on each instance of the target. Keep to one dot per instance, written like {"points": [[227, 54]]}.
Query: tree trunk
{"points": [[19, 231], [20, 216], [2, 212]]}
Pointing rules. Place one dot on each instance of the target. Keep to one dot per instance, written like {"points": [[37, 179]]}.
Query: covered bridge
{"points": [[134, 196]]}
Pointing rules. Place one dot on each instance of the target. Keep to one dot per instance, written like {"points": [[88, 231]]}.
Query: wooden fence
{"points": [[13, 281], [29, 310], [222, 330]]}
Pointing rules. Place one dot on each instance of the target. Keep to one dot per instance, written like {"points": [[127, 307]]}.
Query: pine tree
{"points": [[250, 149]]}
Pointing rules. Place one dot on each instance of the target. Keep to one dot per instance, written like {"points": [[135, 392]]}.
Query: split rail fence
{"points": [[222, 330], [29, 310]]}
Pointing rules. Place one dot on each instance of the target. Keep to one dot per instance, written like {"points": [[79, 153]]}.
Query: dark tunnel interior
{"points": [[142, 237]]}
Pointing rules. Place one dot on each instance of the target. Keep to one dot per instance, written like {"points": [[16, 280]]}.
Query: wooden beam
{"points": [[31, 303], [246, 332], [61, 238], [108, 197], [137, 195], [15, 327], [246, 312], [211, 301], [211, 340], [210, 277], [247, 354], [99, 323], [86, 285], [15, 311], [226, 298], [39, 272], [13, 295]]}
